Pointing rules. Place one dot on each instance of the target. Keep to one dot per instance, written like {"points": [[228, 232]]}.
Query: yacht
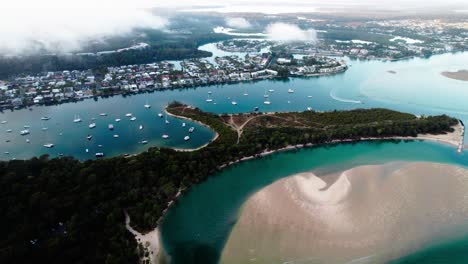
{"points": [[103, 114], [133, 118], [6, 153], [209, 92], [271, 90], [99, 155], [27, 126], [92, 125], [290, 91], [265, 95], [87, 150], [117, 120], [309, 108], [147, 106], [116, 136], [191, 129], [166, 121], [45, 128], [209, 100], [165, 136], [183, 124], [186, 138], [110, 126], [45, 118], [144, 142], [49, 145], [27, 140], [24, 132], [9, 130], [245, 94], [267, 102], [89, 137], [256, 109], [77, 119], [4, 122], [309, 96], [160, 115], [128, 114], [140, 127], [234, 103]]}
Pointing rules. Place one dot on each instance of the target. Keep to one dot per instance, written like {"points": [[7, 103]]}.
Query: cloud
{"points": [[237, 22], [289, 33], [30, 30]]}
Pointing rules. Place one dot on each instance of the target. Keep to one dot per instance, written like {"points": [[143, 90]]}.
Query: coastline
{"points": [[149, 242]]}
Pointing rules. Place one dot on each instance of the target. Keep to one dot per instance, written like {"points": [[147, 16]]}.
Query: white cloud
{"points": [[65, 29], [288, 33], [237, 22]]}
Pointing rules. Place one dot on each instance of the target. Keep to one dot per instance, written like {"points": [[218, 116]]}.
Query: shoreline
{"points": [[150, 242]]}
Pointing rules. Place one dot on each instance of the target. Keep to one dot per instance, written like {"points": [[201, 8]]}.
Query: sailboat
{"points": [[267, 102], [77, 119], [234, 103], [166, 121], [186, 138], [265, 95], [209, 100], [290, 91], [147, 106]]}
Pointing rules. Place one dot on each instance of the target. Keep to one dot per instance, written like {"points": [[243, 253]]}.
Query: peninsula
{"points": [[461, 75], [63, 210]]}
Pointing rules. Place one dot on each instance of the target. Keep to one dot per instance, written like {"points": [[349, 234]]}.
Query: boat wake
{"points": [[333, 95]]}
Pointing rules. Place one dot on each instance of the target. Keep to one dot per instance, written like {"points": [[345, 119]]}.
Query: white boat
{"points": [[265, 95], [271, 90], [309, 96], [209, 100], [234, 103], [27, 126], [45, 128], [103, 114], [77, 119], [45, 118], [144, 142], [160, 115], [267, 102], [117, 120], [133, 118], [9, 130], [209, 92], [290, 91], [99, 155], [92, 125], [147, 106], [183, 124], [24, 132], [191, 129], [49, 145], [116, 136], [4, 122], [87, 150], [309, 108], [245, 94], [89, 137], [140, 127], [128, 114], [165, 136], [6, 153], [186, 138], [27, 140], [110, 126], [166, 121]]}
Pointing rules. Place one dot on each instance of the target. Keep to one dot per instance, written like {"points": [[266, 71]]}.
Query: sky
{"points": [[63, 25]]}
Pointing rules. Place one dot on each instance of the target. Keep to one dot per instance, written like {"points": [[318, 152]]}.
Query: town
{"points": [[69, 86]]}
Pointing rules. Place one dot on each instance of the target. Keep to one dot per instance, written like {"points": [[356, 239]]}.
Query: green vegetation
{"points": [[65, 211]]}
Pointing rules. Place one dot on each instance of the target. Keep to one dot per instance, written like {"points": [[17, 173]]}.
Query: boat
{"points": [[45, 118], [140, 127], [309, 108], [93, 118], [6, 153], [7, 141], [110, 126], [9, 130], [45, 128], [290, 91], [103, 114], [92, 125], [245, 94], [186, 138], [209, 92], [271, 90], [4, 122], [24, 132], [128, 114], [77, 119], [117, 120], [267, 102], [144, 142], [99, 146], [147, 106], [133, 118], [165, 136], [166, 121], [116, 136], [160, 115], [87, 150], [89, 137], [234, 103], [309, 96], [289, 102], [256, 108], [191, 129], [49, 145], [27, 126], [27, 140], [209, 100], [183, 124], [99, 154]]}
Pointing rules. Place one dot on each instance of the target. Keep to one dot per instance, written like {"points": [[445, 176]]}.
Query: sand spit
{"points": [[461, 75], [368, 214]]}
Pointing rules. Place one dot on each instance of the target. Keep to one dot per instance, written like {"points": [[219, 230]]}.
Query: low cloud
{"points": [[57, 30], [290, 33], [238, 22]]}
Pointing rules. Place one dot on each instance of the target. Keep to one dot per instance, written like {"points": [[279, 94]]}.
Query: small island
{"points": [[461, 75], [63, 210]]}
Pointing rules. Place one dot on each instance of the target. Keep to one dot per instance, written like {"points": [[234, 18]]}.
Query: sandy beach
{"points": [[150, 241], [461, 75], [368, 213]]}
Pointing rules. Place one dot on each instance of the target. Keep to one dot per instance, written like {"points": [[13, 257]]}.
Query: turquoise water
{"points": [[417, 87], [197, 227]]}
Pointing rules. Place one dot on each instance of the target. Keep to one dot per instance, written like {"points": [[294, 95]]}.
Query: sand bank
{"points": [[369, 213], [461, 75]]}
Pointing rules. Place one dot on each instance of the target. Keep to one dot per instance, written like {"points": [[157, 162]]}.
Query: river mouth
{"points": [[369, 213]]}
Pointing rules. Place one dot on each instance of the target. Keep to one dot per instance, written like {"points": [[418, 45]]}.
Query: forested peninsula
{"points": [[63, 210]]}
